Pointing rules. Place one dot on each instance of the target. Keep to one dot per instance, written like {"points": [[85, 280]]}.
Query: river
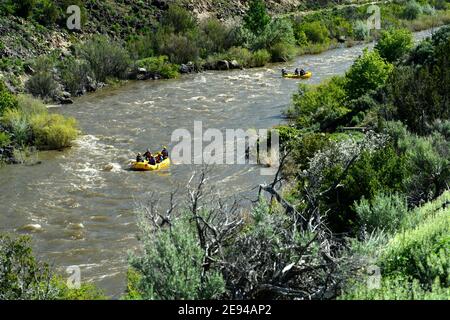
{"points": [[87, 213]]}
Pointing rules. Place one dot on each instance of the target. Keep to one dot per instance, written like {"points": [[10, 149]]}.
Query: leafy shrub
{"points": [[394, 44], [42, 84], [106, 58], [214, 37], [28, 106], [46, 12], [278, 31], [16, 123], [170, 267], [383, 212], [75, 75], [361, 31], [53, 131], [256, 18], [5, 139], [180, 49], [396, 288], [260, 58], [159, 65], [242, 55], [321, 104], [368, 72], [340, 27], [178, 19], [140, 46], [22, 277], [421, 252], [282, 52], [412, 10], [7, 100], [316, 32]]}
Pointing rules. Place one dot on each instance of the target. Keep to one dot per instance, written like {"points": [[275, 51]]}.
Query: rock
{"points": [[222, 65], [91, 85], [142, 71], [66, 95], [184, 69], [31, 227], [235, 65], [342, 39], [75, 226]]}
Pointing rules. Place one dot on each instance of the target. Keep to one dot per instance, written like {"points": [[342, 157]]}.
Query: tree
{"points": [[257, 17], [394, 44], [369, 72]]}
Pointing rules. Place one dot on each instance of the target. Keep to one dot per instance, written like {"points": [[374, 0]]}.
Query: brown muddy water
{"points": [[88, 214]]}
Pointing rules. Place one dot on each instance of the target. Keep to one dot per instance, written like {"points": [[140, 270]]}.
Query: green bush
{"points": [[394, 44], [278, 31], [396, 288], [5, 139], [75, 75], [171, 266], [368, 72], [316, 32], [215, 37], [256, 18], [361, 31], [106, 57], [53, 131], [383, 212], [412, 10], [46, 12], [178, 19], [22, 277], [140, 46], [159, 65], [422, 253], [320, 104], [16, 123], [180, 49], [242, 55], [282, 52], [260, 58], [7, 100], [42, 84]]}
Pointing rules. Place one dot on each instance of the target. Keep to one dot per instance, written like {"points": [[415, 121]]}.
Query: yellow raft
{"points": [[307, 75], [145, 166]]}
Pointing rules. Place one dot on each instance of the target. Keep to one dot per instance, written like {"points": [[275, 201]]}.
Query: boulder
{"points": [[235, 65], [222, 65]]}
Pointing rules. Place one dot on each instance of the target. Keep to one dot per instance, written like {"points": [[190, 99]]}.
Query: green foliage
{"points": [[282, 52], [106, 57], [256, 18], [178, 19], [53, 131], [260, 58], [421, 252], [374, 172], [361, 31], [75, 75], [214, 36], [17, 124], [140, 46], [368, 72], [159, 65], [46, 12], [316, 32], [394, 44], [42, 84], [180, 49], [5, 139], [412, 10], [383, 212], [171, 266], [86, 291], [396, 288], [22, 277], [321, 104], [7, 100]]}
